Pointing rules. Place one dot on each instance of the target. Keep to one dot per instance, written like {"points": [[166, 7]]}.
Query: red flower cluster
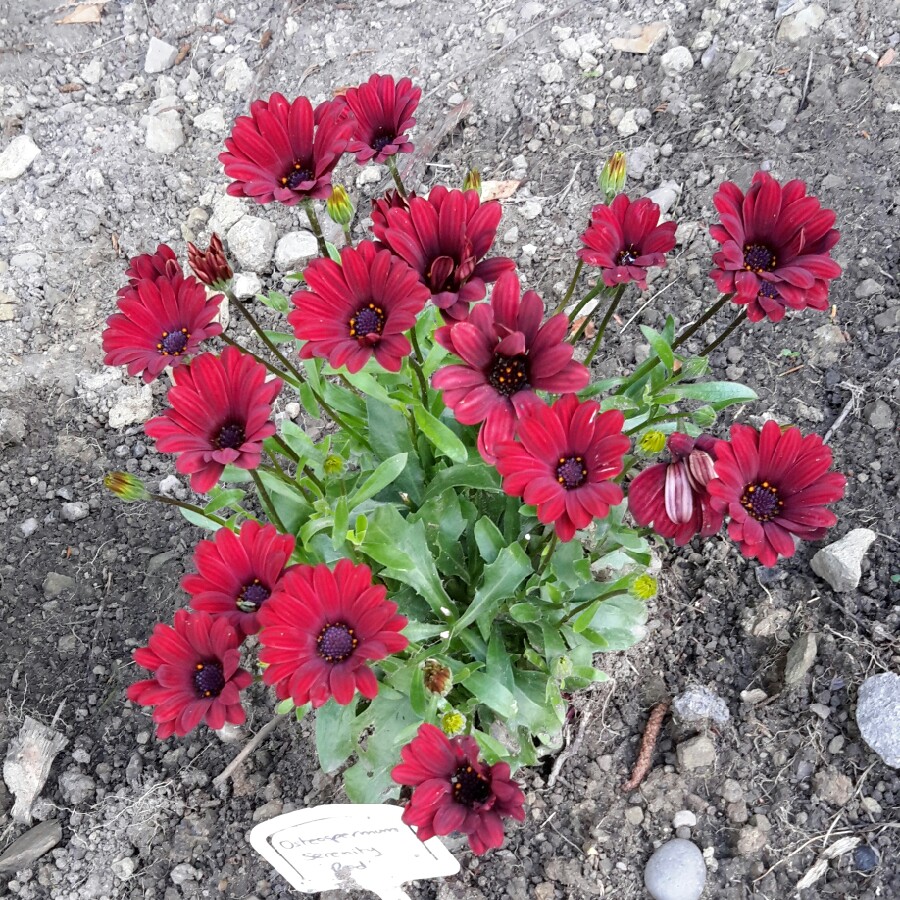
{"points": [[563, 462], [220, 414], [775, 251], [237, 573], [321, 629], [673, 497], [196, 674], [454, 790], [358, 308], [163, 317], [625, 239], [507, 355]]}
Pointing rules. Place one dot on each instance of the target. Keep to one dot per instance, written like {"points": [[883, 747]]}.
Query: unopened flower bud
{"points": [[210, 265], [652, 442], [126, 487], [643, 587], [678, 494], [339, 207], [437, 677], [453, 723], [333, 465], [472, 181], [612, 178], [701, 469]]}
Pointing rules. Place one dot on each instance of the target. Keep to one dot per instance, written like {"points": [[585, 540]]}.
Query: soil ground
{"points": [[551, 100]]}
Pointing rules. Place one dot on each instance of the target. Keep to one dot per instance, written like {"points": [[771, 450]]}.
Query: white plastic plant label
{"points": [[350, 846]]}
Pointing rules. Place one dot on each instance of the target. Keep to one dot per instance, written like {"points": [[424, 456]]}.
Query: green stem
{"points": [[338, 419], [736, 322], [395, 174], [416, 363], [267, 502], [583, 606], [668, 417], [547, 552], [602, 329], [285, 449], [593, 292], [692, 329], [188, 506], [571, 290], [273, 369], [347, 238], [314, 225]]}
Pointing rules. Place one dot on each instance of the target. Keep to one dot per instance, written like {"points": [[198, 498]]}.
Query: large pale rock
{"points": [[840, 563], [294, 249], [20, 153], [676, 871], [878, 716], [795, 28], [27, 764], [800, 658], [676, 61], [160, 56], [164, 132], [251, 241]]}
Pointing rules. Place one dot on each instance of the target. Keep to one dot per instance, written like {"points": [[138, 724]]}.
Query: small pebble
{"points": [[676, 871], [865, 858]]}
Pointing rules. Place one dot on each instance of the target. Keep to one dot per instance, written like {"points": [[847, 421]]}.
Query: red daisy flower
{"points": [[384, 113], [286, 151], [507, 355], [392, 199], [221, 408], [672, 497], [454, 790], [563, 462], [445, 238], [625, 239], [162, 263], [197, 674], [160, 323], [775, 247], [774, 486], [210, 265], [321, 629], [237, 573], [358, 308]]}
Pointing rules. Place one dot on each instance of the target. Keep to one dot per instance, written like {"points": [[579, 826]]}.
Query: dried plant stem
{"points": [[648, 744], [251, 745], [606, 319]]}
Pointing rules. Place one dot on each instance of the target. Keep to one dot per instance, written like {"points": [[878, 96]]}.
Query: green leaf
{"points": [[492, 750], [275, 300], [489, 539], [440, 435], [472, 475], [220, 498], [499, 583], [660, 346], [388, 435], [620, 621], [234, 475], [716, 392], [284, 707], [491, 693], [341, 524], [525, 612], [693, 367], [335, 740], [199, 520], [333, 252], [279, 337], [384, 474]]}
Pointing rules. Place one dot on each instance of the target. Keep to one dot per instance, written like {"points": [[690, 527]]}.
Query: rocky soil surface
{"points": [[108, 141]]}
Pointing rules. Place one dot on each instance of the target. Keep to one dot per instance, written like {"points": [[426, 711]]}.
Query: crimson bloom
{"points": [[392, 199], [563, 461], [286, 151], [220, 414], [672, 497], [237, 573], [625, 239], [358, 308], [210, 265], [383, 112], [196, 674], [445, 238], [160, 323], [774, 486], [775, 247], [162, 263], [454, 790], [321, 628], [507, 355]]}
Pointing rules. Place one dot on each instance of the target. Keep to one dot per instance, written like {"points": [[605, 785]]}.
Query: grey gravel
{"points": [[74, 512], [878, 414], [30, 846], [878, 716], [800, 658], [832, 786], [676, 871], [696, 753], [20, 153], [840, 563], [160, 56], [55, 585], [700, 704]]}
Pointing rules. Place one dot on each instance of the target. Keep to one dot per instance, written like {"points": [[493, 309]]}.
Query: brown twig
{"points": [[648, 744], [252, 744]]}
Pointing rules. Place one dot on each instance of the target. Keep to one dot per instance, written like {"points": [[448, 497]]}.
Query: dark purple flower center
{"points": [[208, 679], [761, 501], [336, 642], [368, 319], [252, 596], [758, 258], [382, 139], [231, 436], [626, 256], [509, 374], [297, 176], [571, 472], [767, 289], [470, 787], [172, 343]]}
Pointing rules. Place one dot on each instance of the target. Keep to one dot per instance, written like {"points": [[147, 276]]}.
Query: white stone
{"points": [[586, 101], [294, 249], [684, 818], [73, 512], [134, 403], [795, 28], [628, 124], [800, 658], [226, 211], [164, 132], [246, 285], [252, 242], [570, 49], [238, 75], [291, 27], [170, 486], [17, 157], [92, 72], [551, 72], [212, 120], [160, 56], [665, 195], [676, 871], [840, 563], [878, 716], [530, 209], [368, 175], [676, 61]]}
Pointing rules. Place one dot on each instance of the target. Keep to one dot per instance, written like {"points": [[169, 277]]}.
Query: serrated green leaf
{"points": [[660, 346], [385, 473], [491, 693], [489, 539], [335, 740], [716, 392], [440, 435]]}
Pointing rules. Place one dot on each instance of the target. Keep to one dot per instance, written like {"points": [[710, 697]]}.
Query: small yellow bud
{"points": [[339, 207], [652, 442], [612, 178], [644, 587], [334, 465], [472, 181], [453, 723], [126, 487]]}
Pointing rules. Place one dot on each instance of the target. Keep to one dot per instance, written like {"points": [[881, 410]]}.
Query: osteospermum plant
{"points": [[435, 577]]}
